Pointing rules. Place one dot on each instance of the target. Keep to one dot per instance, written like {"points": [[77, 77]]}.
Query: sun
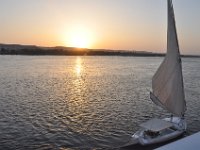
{"points": [[80, 40], [79, 37]]}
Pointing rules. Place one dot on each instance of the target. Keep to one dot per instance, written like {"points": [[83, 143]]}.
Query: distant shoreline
{"points": [[14, 49]]}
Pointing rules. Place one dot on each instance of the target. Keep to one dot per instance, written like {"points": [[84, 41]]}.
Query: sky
{"points": [[102, 24]]}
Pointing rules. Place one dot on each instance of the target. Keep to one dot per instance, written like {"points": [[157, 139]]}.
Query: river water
{"points": [[83, 102]]}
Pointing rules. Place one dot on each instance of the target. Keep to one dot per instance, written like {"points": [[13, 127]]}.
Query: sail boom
{"points": [[156, 100]]}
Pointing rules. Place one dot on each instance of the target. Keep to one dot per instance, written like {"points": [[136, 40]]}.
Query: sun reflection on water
{"points": [[78, 86], [78, 66]]}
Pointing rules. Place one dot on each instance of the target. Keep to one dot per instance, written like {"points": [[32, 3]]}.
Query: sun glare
{"points": [[78, 67], [79, 37]]}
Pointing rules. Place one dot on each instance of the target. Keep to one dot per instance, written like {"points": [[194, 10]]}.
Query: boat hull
{"points": [[179, 127], [160, 139]]}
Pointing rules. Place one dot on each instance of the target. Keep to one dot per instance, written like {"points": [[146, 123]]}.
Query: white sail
{"points": [[167, 83]]}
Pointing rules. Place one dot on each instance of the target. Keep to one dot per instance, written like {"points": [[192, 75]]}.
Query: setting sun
{"points": [[78, 37]]}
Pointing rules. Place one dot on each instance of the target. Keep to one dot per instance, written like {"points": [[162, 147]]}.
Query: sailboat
{"points": [[167, 92]]}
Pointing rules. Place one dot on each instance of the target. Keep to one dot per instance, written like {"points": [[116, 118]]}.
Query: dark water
{"points": [[49, 102]]}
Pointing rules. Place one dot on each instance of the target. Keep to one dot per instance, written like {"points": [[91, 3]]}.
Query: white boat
{"points": [[168, 93]]}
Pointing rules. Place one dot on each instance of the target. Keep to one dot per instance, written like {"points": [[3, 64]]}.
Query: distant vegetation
{"points": [[13, 49]]}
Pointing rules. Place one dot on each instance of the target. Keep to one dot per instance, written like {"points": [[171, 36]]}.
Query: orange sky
{"points": [[113, 24]]}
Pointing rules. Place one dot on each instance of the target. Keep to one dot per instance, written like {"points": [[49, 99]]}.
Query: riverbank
{"points": [[15, 49]]}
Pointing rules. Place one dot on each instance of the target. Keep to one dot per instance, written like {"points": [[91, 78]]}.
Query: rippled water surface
{"points": [[57, 102]]}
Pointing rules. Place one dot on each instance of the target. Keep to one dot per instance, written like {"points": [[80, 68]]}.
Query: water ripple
{"points": [[50, 102]]}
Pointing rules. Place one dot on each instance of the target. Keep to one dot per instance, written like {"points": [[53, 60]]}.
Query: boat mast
{"points": [[172, 15]]}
